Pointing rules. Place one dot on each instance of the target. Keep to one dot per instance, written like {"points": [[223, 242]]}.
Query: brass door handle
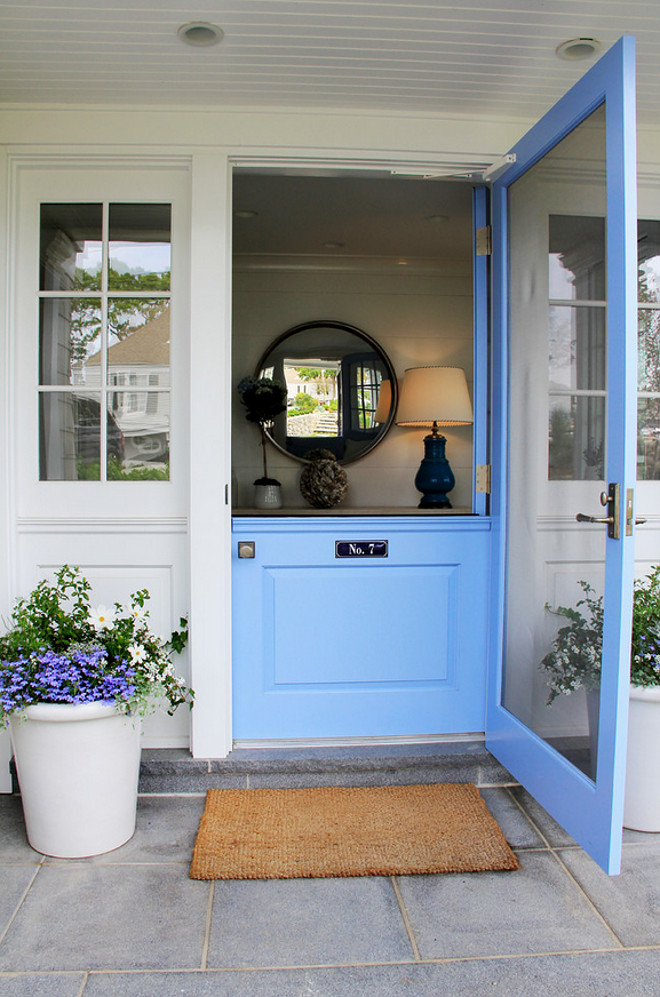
{"points": [[610, 499]]}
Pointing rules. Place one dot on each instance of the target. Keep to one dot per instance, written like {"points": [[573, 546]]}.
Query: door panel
{"points": [[327, 647], [565, 253]]}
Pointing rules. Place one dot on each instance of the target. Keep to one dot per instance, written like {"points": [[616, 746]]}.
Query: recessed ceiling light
{"points": [[578, 48], [245, 213], [334, 245], [437, 218], [200, 34]]}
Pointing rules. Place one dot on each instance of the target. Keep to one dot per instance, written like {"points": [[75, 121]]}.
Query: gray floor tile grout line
{"points": [[531, 821], [207, 928], [20, 903], [586, 896], [406, 918], [294, 967], [569, 874], [83, 985]]}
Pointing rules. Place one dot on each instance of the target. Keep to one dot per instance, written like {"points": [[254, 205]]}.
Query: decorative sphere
{"points": [[323, 481]]}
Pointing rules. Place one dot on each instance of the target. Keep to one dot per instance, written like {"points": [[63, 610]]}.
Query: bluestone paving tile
{"points": [[514, 824], [195, 783], [165, 832], [630, 902], [14, 845], [553, 832], [537, 909], [348, 777], [14, 880], [83, 916], [300, 922], [608, 974], [41, 985]]}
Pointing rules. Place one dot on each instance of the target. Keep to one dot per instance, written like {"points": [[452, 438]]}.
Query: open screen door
{"points": [[564, 294]]}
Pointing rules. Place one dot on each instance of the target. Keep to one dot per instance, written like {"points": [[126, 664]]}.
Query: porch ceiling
{"points": [[473, 57]]}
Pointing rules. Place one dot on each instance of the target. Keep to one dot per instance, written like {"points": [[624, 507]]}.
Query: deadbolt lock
{"points": [[246, 548]]}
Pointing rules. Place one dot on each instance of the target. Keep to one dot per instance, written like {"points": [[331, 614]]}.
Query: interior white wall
{"points": [[419, 316]]}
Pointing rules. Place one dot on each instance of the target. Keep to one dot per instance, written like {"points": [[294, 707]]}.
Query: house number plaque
{"points": [[361, 548]]}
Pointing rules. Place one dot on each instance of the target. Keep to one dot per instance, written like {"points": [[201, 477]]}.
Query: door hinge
{"points": [[482, 478], [484, 241]]}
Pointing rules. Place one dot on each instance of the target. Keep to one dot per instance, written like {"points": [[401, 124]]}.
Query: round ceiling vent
{"points": [[578, 48], [200, 34]]}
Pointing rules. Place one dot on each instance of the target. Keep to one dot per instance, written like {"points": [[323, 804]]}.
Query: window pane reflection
{"points": [[576, 347], [576, 438], [648, 342], [69, 335], [70, 436], [557, 393], [648, 439], [140, 252], [138, 332], [648, 261], [143, 419], [576, 258], [71, 247]]}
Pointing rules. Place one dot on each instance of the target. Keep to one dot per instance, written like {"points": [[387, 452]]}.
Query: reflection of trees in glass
{"points": [[561, 347], [560, 456], [648, 371], [124, 316], [648, 367]]}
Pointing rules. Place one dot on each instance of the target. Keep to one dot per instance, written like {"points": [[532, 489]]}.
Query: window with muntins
{"points": [[104, 326]]}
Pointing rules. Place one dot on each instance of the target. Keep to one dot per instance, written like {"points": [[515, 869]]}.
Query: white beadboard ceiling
{"points": [[461, 58]]}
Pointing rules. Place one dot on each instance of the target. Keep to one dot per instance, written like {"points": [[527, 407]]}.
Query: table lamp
{"points": [[384, 405], [434, 396]]}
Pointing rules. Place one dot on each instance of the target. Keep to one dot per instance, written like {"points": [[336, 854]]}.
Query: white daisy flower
{"points": [[137, 653], [138, 614], [102, 618]]}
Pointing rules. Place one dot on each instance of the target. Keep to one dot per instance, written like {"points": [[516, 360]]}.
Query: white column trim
{"points": [[210, 455]]}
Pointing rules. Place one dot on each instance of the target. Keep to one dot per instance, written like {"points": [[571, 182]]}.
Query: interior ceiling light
{"points": [[578, 48], [437, 218], [334, 245], [245, 213], [200, 34]]}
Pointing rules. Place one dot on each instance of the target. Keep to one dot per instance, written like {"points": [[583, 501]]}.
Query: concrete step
{"points": [[174, 770]]}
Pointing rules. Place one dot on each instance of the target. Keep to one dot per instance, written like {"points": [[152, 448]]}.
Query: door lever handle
{"points": [[581, 518], [610, 499]]}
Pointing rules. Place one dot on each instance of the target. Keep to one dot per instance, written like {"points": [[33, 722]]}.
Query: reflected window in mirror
{"points": [[334, 375]]}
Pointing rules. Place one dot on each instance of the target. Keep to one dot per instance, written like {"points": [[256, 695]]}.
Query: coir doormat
{"points": [[332, 831]]}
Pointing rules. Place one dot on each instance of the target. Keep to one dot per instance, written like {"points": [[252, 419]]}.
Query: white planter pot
{"points": [[78, 768], [641, 808], [268, 496]]}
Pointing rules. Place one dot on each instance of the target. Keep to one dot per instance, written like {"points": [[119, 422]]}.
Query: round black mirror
{"points": [[341, 390]]}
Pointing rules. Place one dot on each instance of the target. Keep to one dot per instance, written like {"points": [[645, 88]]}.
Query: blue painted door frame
{"points": [[592, 812]]}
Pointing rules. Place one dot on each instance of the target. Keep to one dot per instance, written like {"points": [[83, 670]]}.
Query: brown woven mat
{"points": [[330, 831]]}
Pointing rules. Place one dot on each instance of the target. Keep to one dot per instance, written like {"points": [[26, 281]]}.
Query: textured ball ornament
{"points": [[323, 482]]}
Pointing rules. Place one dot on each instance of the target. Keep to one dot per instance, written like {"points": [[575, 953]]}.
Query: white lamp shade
{"points": [[384, 401], [434, 394]]}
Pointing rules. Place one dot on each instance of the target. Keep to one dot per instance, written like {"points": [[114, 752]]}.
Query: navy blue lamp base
{"points": [[435, 477]]}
